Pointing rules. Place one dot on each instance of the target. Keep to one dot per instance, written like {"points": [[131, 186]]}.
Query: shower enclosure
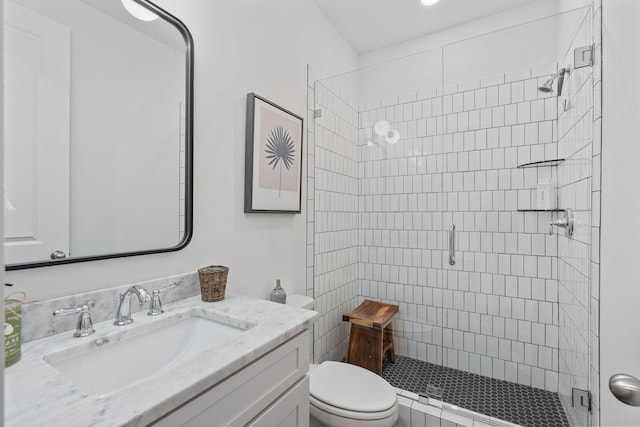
{"points": [[433, 183]]}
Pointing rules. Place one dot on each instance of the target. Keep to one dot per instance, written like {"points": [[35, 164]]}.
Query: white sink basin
{"points": [[108, 364]]}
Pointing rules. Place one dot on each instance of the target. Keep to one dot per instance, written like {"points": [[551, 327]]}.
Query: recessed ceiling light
{"points": [[428, 2], [138, 11]]}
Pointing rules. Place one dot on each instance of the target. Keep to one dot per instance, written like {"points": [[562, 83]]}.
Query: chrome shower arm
{"points": [[561, 72]]}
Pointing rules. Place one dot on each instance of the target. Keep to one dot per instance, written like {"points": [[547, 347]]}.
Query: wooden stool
{"points": [[371, 334]]}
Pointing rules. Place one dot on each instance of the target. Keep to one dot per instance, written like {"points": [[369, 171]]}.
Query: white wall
{"points": [[515, 40], [240, 47], [412, 74], [509, 18], [620, 226]]}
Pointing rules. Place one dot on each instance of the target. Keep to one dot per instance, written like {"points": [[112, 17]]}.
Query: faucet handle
{"points": [[165, 289], [567, 223], [84, 327], [72, 310], [155, 308]]}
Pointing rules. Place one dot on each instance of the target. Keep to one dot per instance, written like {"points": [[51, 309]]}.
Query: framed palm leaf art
{"points": [[273, 158]]}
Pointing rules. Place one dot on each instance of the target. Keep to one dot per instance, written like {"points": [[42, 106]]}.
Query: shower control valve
{"points": [[567, 223]]}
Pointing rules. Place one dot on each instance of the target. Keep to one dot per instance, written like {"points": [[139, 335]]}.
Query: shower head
{"points": [[547, 86]]}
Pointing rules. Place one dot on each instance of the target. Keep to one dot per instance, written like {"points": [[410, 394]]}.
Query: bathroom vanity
{"points": [[240, 361], [272, 391]]}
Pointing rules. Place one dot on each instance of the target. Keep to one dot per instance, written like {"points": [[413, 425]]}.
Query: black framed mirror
{"points": [[98, 131]]}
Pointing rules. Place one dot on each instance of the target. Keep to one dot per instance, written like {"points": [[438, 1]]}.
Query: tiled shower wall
{"points": [[495, 312], [335, 221], [578, 257]]}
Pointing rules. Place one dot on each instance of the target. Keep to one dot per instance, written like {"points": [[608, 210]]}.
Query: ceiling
{"points": [[372, 24]]}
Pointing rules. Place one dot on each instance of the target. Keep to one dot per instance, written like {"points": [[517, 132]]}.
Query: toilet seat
{"points": [[347, 391], [355, 415]]}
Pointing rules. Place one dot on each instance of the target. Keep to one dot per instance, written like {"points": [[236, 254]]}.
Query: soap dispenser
{"points": [[279, 294]]}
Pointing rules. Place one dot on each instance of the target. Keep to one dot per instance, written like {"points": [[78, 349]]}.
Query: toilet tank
{"points": [[300, 301]]}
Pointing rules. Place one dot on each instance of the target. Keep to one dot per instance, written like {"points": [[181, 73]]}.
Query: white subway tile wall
{"points": [[335, 221], [495, 312], [310, 149], [413, 413]]}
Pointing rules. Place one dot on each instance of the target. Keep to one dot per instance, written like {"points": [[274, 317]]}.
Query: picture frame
{"points": [[273, 158]]}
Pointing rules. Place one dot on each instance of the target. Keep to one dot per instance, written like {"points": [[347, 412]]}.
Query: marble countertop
{"points": [[37, 394]]}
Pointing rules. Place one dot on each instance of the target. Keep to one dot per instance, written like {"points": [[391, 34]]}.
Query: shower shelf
{"points": [[540, 164], [544, 163]]}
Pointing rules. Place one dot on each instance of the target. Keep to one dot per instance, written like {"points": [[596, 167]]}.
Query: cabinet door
{"points": [[290, 410], [244, 395]]}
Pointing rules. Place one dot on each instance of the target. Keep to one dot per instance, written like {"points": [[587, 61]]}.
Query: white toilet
{"points": [[344, 395]]}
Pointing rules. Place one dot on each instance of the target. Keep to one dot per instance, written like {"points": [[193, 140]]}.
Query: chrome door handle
{"points": [[452, 245], [625, 388], [58, 255]]}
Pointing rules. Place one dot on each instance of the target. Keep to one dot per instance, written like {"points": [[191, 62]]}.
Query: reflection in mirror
{"points": [[98, 99]]}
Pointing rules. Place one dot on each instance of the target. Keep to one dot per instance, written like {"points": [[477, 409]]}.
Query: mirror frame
{"points": [[189, 54]]}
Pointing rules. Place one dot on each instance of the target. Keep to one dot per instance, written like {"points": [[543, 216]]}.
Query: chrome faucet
{"points": [[123, 315]]}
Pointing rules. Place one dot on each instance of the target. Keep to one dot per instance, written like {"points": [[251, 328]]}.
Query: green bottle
{"points": [[12, 327]]}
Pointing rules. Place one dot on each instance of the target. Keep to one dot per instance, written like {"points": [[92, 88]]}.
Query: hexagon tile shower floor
{"points": [[519, 404]]}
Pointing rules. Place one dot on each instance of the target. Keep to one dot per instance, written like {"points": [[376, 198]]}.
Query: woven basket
{"points": [[213, 281]]}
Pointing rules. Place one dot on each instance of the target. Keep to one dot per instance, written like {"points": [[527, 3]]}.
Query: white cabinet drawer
{"points": [[241, 397], [290, 410]]}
